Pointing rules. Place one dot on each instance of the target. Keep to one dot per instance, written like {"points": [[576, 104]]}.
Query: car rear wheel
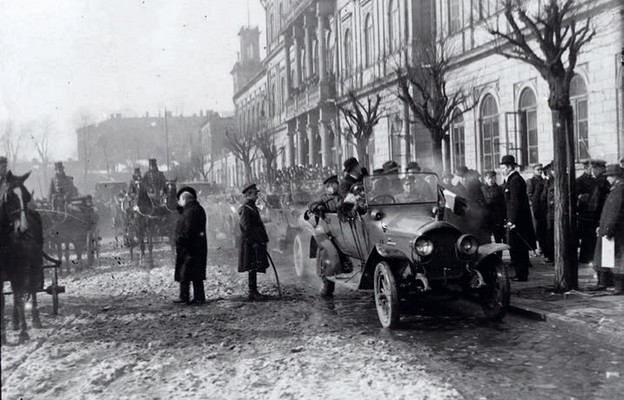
{"points": [[495, 295], [386, 296], [298, 258]]}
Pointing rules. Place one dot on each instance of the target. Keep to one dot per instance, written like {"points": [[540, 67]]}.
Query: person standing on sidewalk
{"points": [[494, 207], [595, 203], [612, 227], [535, 187], [548, 199], [521, 236], [584, 188], [191, 247], [252, 257]]}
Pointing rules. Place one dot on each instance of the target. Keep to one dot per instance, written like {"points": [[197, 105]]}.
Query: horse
{"points": [[74, 226], [16, 250], [142, 220]]}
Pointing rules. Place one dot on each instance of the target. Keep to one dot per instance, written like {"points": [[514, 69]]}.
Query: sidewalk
{"points": [[598, 315]]}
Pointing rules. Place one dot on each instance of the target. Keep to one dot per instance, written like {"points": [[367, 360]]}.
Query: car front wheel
{"points": [[386, 296], [495, 295], [298, 257]]}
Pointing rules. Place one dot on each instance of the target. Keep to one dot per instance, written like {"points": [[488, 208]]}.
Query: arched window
{"points": [[490, 139], [528, 128], [578, 99], [368, 41], [331, 52], [315, 57], [458, 139], [348, 52], [393, 25]]}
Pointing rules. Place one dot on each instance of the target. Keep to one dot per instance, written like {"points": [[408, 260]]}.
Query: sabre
{"points": [[279, 288]]}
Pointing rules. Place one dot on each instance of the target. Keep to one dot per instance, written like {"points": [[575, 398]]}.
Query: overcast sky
{"points": [[61, 58]]}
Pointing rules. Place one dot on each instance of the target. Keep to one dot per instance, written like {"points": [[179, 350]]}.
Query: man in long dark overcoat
{"points": [[612, 227], [191, 247], [597, 198], [521, 236], [535, 187], [252, 257]]}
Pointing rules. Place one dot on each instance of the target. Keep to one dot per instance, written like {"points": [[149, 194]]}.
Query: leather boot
{"points": [[254, 295]]}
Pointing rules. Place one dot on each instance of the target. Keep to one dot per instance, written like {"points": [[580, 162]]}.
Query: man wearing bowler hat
{"points": [[521, 236], [353, 175], [191, 247], [252, 257]]}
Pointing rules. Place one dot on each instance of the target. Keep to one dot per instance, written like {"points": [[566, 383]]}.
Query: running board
{"points": [[350, 280]]}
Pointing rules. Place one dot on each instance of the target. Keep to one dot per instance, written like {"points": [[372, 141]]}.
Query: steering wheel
{"points": [[383, 199]]}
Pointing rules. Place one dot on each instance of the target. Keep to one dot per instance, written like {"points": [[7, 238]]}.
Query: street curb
{"points": [[573, 325]]}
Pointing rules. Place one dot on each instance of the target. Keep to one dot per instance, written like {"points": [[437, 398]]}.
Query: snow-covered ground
{"points": [[119, 336]]}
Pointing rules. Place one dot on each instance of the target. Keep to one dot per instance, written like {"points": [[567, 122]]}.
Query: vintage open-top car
{"points": [[397, 240]]}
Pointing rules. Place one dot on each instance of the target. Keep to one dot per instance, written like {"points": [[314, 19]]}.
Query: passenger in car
{"points": [[329, 201]]}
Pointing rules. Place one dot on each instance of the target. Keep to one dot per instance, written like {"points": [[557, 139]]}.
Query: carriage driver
{"points": [[154, 180], [62, 188], [132, 185]]}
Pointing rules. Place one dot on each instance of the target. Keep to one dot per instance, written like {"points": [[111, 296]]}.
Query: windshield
{"points": [[401, 188]]}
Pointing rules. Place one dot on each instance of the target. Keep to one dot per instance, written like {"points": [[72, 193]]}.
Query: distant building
{"points": [[123, 142], [213, 148]]}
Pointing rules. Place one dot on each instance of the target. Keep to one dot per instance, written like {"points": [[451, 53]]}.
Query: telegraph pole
{"points": [[166, 139]]}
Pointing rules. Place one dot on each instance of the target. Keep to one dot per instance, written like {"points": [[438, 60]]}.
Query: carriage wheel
{"points": [[55, 295]]}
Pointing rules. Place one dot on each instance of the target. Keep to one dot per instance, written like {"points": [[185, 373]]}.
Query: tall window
{"points": [[348, 52], [281, 15], [304, 72], [490, 139], [395, 138], [368, 41], [315, 58], [393, 25], [454, 7], [273, 101], [331, 53], [458, 139], [528, 127], [271, 27], [578, 98]]}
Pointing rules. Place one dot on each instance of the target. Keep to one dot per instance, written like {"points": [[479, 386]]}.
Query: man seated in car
{"points": [[329, 201]]}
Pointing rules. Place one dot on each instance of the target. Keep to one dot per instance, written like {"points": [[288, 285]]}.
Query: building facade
{"points": [[511, 113], [319, 51]]}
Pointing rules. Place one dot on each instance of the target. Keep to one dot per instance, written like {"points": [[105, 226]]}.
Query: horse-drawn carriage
{"points": [[22, 256], [71, 224], [150, 218], [107, 202]]}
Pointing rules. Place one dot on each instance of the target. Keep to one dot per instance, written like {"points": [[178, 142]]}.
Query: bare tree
{"points": [[423, 88], [263, 140], [361, 118], [42, 145], [550, 40], [198, 165], [242, 147], [12, 140]]}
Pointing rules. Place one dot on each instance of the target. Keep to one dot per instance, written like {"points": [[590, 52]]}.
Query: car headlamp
{"points": [[423, 246], [467, 245]]}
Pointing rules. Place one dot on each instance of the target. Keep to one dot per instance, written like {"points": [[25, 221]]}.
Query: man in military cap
{"points": [[521, 236], [329, 201], [155, 180], [62, 188], [132, 185], [252, 257]]}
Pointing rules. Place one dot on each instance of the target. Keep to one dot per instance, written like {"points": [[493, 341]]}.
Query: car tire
{"points": [[298, 257], [327, 286], [386, 296], [494, 297]]}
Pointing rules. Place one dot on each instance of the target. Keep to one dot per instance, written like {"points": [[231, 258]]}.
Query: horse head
{"points": [[14, 199], [143, 201]]}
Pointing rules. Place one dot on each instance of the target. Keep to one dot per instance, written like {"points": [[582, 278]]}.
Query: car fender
{"points": [[488, 249], [332, 257], [380, 252]]}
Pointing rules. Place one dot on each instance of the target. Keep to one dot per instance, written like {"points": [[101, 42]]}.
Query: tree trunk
{"points": [[247, 172], [437, 153], [565, 247], [362, 150]]}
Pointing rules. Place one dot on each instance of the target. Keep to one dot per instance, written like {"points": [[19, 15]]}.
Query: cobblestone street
{"points": [[119, 336]]}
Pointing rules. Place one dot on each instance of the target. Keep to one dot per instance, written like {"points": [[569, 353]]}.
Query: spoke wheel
{"points": [[495, 296], [298, 258], [386, 296]]}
